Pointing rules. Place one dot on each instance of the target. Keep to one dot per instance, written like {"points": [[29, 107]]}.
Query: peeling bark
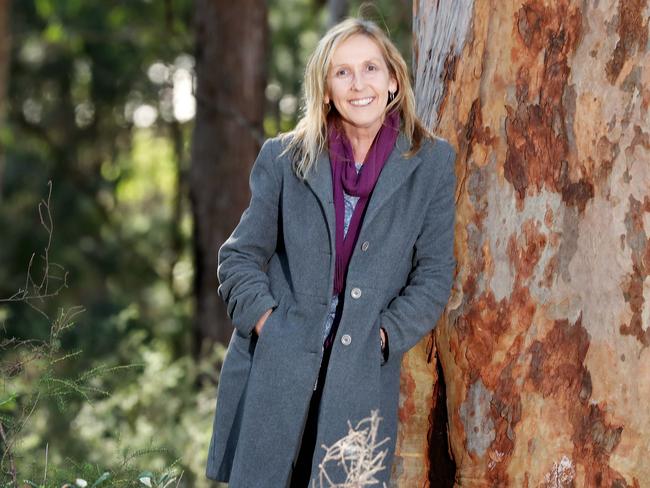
{"points": [[417, 396], [544, 346]]}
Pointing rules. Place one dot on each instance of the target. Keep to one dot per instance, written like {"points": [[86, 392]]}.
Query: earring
{"points": [[391, 96]]}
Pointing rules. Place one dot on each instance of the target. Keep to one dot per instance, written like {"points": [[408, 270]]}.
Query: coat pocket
{"points": [[244, 345], [273, 321], [268, 322]]}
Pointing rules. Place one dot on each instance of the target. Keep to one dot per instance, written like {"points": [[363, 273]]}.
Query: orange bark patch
{"points": [[632, 33], [407, 388], [506, 414], [607, 152], [639, 244], [557, 370], [481, 327], [448, 74], [536, 129], [526, 251], [556, 366], [475, 131], [550, 272]]}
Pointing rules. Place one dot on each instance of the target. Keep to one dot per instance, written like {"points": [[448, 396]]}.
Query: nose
{"points": [[357, 81]]}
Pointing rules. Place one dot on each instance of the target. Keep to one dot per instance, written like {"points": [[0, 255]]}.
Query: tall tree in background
{"points": [[544, 348], [336, 11], [231, 49], [5, 51]]}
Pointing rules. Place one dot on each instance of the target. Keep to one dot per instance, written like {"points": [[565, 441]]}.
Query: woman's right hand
{"points": [[262, 320]]}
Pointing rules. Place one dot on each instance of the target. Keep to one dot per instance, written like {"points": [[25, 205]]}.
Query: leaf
{"points": [[10, 398]]}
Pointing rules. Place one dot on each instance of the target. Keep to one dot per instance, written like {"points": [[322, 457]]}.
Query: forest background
{"points": [[109, 374]]}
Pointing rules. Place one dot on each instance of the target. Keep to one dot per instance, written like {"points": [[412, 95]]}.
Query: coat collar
{"points": [[395, 172]]}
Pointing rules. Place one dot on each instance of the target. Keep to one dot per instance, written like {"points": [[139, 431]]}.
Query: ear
{"points": [[326, 99], [392, 84]]}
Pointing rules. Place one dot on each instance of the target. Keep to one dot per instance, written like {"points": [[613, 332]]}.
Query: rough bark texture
{"points": [[231, 43], [544, 347], [411, 462], [5, 51]]}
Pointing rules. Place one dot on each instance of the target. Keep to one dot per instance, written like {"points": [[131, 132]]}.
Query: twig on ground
{"points": [[357, 453]]}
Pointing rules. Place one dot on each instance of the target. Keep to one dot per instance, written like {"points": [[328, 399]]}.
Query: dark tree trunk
{"points": [[337, 10], [231, 48], [5, 51]]}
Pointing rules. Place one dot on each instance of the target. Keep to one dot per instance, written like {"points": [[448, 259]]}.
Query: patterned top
{"points": [[350, 204]]}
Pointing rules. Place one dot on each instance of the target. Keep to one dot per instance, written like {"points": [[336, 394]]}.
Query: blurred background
{"points": [[127, 133]]}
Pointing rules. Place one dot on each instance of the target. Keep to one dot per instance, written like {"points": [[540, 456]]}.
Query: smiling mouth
{"points": [[362, 102]]}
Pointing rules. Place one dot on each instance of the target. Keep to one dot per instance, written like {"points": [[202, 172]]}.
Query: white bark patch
{"points": [[504, 220], [475, 414], [442, 28]]}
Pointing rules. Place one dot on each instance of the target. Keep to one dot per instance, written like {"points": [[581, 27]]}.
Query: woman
{"points": [[342, 262]]}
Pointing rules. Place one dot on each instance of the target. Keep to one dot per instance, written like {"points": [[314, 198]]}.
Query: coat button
{"points": [[355, 292], [346, 339], [365, 245]]}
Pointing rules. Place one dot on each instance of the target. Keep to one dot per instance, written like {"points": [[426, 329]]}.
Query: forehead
{"points": [[355, 49]]}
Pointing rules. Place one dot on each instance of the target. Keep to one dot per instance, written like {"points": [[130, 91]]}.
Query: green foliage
{"points": [[87, 475], [79, 70], [119, 431]]}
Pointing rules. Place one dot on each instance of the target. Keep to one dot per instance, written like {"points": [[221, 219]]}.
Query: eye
{"points": [[372, 67], [342, 72]]}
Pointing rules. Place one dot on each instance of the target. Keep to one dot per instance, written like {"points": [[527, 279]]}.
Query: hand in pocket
{"points": [[262, 320]]}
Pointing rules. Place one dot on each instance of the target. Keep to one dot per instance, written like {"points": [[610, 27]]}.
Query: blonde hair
{"points": [[309, 137]]}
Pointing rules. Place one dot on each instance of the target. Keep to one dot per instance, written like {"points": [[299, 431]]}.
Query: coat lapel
{"points": [[319, 179], [395, 172]]}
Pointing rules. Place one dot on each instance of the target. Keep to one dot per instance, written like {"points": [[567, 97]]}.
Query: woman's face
{"points": [[358, 83]]}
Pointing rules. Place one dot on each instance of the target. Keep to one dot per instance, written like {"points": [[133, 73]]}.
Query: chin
{"points": [[364, 121]]}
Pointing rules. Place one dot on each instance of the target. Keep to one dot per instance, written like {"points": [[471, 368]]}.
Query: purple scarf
{"points": [[345, 177]]}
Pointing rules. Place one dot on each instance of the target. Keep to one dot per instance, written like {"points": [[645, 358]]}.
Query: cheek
{"points": [[382, 86], [336, 93], [382, 91]]}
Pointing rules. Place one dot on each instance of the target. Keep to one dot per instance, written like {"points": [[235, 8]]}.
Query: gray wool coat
{"points": [[281, 256]]}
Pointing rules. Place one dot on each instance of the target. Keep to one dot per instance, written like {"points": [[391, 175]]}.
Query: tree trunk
{"points": [[337, 10], [231, 42], [5, 51], [544, 345]]}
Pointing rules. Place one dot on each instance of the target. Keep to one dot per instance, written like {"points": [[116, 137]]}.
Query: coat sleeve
{"points": [[243, 282], [415, 311]]}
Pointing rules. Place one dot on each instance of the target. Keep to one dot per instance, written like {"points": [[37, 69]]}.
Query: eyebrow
{"points": [[371, 60]]}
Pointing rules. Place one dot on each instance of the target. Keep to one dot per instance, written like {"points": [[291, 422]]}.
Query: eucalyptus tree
{"points": [[543, 351]]}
